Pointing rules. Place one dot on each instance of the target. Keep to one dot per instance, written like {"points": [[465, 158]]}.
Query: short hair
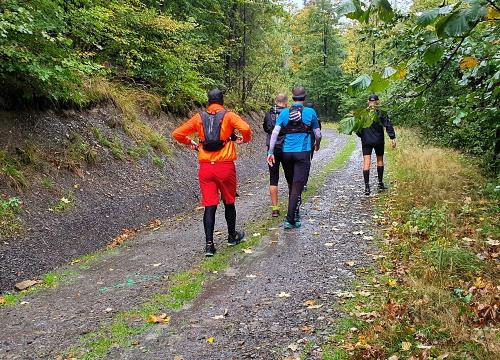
{"points": [[281, 99]]}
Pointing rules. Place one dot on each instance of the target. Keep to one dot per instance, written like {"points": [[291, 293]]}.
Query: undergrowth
{"points": [[436, 293]]}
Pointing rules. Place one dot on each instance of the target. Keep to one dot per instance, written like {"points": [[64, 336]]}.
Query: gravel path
{"points": [[259, 323]]}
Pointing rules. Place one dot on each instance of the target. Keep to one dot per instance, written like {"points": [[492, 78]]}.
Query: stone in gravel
{"points": [[23, 285]]}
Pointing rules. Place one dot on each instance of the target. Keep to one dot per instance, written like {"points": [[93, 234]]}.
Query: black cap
{"points": [[299, 93], [373, 97], [215, 96]]}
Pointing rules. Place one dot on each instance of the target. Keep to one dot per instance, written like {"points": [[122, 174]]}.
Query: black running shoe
{"points": [[382, 187], [210, 249], [236, 238], [367, 189]]}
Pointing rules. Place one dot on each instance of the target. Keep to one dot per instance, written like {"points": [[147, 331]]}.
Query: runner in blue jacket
{"points": [[296, 123]]}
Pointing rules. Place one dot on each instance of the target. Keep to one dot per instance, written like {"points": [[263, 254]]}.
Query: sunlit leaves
{"points": [[351, 9], [428, 17], [361, 83], [379, 83], [383, 9], [468, 62], [388, 72]]}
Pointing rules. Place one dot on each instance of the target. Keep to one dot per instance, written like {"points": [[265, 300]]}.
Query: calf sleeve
{"points": [[209, 223], [230, 214]]}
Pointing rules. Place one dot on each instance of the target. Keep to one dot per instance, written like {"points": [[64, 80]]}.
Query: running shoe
{"points": [[275, 213], [367, 189], [287, 225], [382, 187], [210, 249], [236, 239]]}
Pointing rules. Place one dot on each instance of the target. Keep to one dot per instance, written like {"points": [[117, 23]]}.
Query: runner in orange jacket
{"points": [[216, 156]]}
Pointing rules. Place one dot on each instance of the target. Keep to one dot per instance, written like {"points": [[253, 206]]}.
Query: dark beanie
{"points": [[299, 93], [215, 96]]}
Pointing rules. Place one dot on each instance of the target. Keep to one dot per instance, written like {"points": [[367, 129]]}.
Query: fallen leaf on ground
{"points": [[108, 310], [393, 357], [156, 265], [251, 276], [218, 317], [316, 233], [392, 282], [329, 244], [405, 346], [293, 347], [350, 263], [24, 302], [247, 251], [492, 242], [256, 234], [344, 294], [367, 237], [199, 208], [310, 303], [2, 300], [157, 319], [211, 340], [361, 232], [284, 294], [364, 293], [307, 329]]}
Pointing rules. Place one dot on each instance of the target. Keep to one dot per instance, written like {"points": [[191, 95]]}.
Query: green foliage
{"points": [[9, 209], [316, 55], [447, 77]]}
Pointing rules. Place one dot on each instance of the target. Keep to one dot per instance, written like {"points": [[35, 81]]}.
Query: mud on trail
{"points": [[275, 299]]}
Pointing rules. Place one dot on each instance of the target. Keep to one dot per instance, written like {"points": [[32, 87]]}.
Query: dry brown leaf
{"points": [[2, 300], [159, 319], [350, 263], [310, 303], [468, 62]]}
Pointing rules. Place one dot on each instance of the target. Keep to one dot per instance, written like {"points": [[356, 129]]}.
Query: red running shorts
{"points": [[217, 177]]}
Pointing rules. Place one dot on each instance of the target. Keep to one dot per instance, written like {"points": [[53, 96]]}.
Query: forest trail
{"points": [[306, 266]]}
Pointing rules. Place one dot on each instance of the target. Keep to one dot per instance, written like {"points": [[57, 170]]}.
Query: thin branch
{"points": [[493, 4]]}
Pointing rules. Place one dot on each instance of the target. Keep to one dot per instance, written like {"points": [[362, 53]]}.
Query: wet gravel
{"points": [[266, 294], [259, 324]]}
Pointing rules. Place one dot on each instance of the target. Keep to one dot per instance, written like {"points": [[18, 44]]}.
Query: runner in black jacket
{"points": [[373, 138], [281, 103]]}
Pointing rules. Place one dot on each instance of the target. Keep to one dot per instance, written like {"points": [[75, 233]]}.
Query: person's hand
{"points": [[270, 159], [393, 143], [193, 145], [316, 147], [239, 140]]}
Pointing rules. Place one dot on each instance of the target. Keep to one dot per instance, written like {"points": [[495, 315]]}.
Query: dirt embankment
{"points": [[87, 179]]}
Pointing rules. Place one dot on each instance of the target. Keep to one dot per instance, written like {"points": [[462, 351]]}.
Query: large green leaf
{"points": [[453, 25], [346, 125], [476, 11], [350, 8], [388, 72], [433, 54], [428, 17], [383, 9], [360, 84], [378, 83]]}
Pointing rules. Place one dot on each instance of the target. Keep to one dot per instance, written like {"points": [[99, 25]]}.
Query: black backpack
{"points": [[211, 127], [295, 124]]}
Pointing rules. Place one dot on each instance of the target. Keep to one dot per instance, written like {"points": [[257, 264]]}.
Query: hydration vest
{"points": [[295, 124], [212, 124]]}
